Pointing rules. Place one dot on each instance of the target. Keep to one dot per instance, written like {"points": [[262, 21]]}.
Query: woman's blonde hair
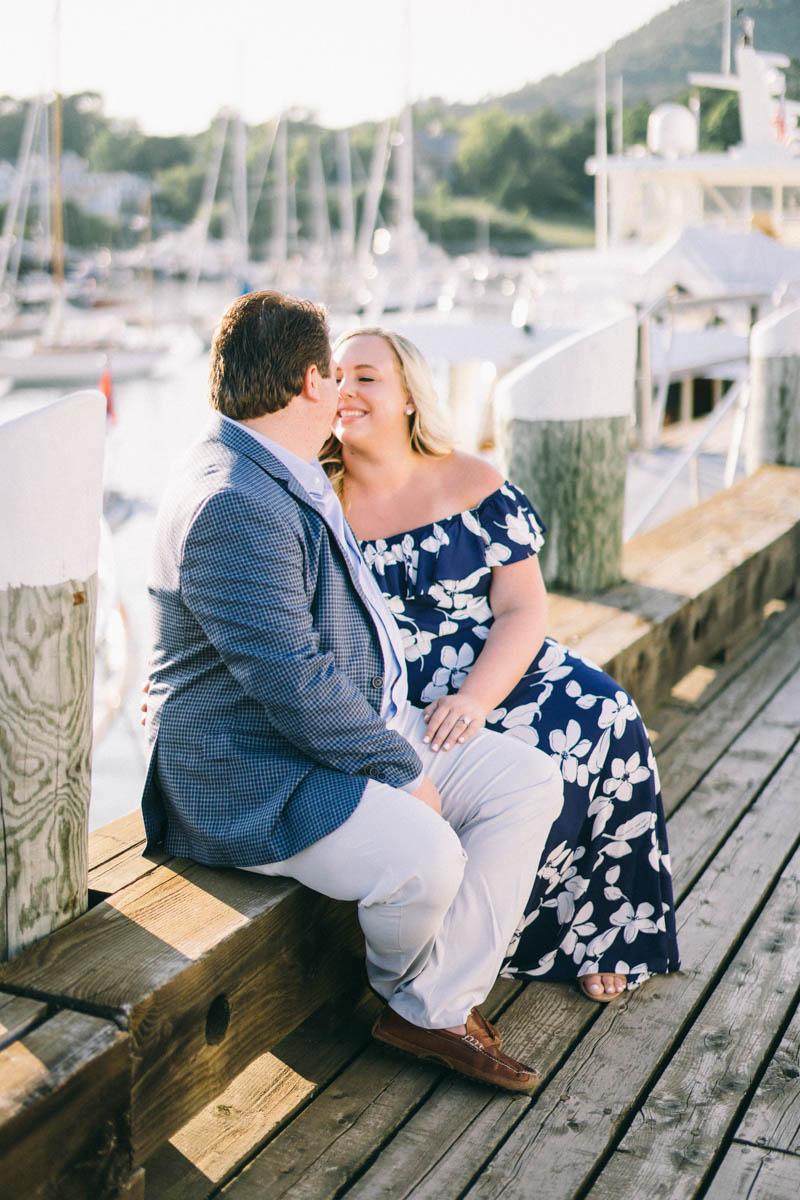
{"points": [[428, 427]]}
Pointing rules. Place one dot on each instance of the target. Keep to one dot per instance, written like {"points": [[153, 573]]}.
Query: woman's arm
{"points": [[518, 601]]}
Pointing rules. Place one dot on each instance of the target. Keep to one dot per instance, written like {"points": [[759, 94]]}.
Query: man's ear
{"points": [[311, 382]]}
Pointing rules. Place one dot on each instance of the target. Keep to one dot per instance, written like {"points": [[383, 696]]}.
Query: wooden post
{"points": [[562, 424], [773, 422], [51, 470]]}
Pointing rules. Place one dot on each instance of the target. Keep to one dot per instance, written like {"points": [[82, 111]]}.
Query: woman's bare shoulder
{"points": [[471, 479]]}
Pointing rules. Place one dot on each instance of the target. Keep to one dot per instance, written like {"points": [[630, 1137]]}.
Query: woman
{"points": [[454, 546]]}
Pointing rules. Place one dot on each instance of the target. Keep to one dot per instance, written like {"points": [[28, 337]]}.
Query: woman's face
{"points": [[372, 401]]}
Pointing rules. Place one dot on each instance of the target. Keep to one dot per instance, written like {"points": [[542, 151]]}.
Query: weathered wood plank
{"points": [[675, 1137], [707, 734], [17, 1016], [133, 1188], [579, 1114], [46, 648], [759, 507], [116, 855], [219, 1140], [718, 800], [717, 685], [773, 1115], [206, 969], [115, 838], [64, 1096], [320, 1151], [749, 1173]]}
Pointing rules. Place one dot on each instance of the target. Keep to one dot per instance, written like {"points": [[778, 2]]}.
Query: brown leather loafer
{"points": [[492, 1033], [474, 1053]]}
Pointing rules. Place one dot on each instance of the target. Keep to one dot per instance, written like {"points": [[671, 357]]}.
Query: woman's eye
{"points": [[365, 379]]}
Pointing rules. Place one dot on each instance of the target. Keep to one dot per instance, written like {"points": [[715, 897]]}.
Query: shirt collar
{"points": [[309, 475]]}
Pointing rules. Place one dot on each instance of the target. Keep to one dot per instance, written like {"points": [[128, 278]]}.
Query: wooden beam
{"points": [[206, 969], [64, 1097]]}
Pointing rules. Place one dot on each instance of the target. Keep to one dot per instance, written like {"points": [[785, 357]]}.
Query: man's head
{"points": [[261, 352]]}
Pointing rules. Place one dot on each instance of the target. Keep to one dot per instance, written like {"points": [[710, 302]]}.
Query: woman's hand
{"points": [[143, 708], [451, 720]]}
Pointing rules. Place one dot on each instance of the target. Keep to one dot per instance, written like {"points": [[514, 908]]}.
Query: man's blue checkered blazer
{"points": [[266, 678]]}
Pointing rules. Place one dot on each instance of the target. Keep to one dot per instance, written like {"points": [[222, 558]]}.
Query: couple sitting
{"points": [[288, 737]]}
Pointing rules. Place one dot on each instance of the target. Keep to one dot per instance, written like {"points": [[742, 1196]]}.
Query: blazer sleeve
{"points": [[243, 577]]}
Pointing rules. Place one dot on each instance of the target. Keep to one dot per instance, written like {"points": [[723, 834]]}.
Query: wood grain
{"points": [[320, 1151], [675, 1137], [574, 473], [740, 689], [582, 1111], [773, 1115], [18, 1016], [46, 672], [773, 432], [261, 1100], [691, 586], [749, 1173], [64, 1094], [206, 969]]}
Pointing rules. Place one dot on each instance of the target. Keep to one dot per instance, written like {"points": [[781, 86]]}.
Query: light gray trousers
{"points": [[439, 897]]}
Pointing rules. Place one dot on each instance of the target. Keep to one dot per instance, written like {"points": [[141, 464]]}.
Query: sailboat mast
{"points": [[726, 39], [57, 137]]}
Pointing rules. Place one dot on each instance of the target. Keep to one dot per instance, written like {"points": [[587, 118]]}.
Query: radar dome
{"points": [[672, 131]]}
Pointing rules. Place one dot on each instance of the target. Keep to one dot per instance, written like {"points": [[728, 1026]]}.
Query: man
{"points": [[282, 739]]}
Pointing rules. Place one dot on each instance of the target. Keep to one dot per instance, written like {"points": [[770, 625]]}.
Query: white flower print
{"points": [[451, 674], [617, 712], [521, 714], [497, 554], [396, 604], [600, 944], [545, 963], [416, 643], [611, 891], [581, 927], [521, 529], [409, 554], [624, 775], [635, 921], [569, 747], [438, 538], [375, 556]]}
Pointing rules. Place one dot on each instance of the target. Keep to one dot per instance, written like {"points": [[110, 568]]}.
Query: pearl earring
{"points": [[409, 410]]}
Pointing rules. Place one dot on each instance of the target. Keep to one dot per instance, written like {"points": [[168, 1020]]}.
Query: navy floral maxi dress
{"points": [[602, 901]]}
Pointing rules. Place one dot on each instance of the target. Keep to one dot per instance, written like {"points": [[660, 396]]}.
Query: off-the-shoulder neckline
{"points": [[457, 516]]}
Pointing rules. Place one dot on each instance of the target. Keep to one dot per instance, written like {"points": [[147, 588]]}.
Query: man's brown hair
{"points": [[261, 350]]}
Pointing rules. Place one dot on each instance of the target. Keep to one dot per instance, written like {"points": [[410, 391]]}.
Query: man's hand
{"points": [[427, 793], [452, 720]]}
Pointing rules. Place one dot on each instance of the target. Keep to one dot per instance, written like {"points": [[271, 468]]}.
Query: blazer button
{"points": [[377, 682], [374, 772]]}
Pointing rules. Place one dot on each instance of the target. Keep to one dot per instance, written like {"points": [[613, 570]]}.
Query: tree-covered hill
{"points": [[655, 60]]}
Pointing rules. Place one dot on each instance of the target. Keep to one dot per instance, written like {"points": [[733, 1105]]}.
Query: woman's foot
{"points": [[603, 987]]}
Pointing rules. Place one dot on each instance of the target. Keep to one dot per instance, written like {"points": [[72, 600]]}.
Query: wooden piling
{"points": [[50, 505], [562, 424], [773, 424]]}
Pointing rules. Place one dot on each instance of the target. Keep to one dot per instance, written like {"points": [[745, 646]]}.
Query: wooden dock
{"points": [[688, 1087], [175, 1034]]}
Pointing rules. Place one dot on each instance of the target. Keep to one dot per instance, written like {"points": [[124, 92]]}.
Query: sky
{"points": [[171, 65]]}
